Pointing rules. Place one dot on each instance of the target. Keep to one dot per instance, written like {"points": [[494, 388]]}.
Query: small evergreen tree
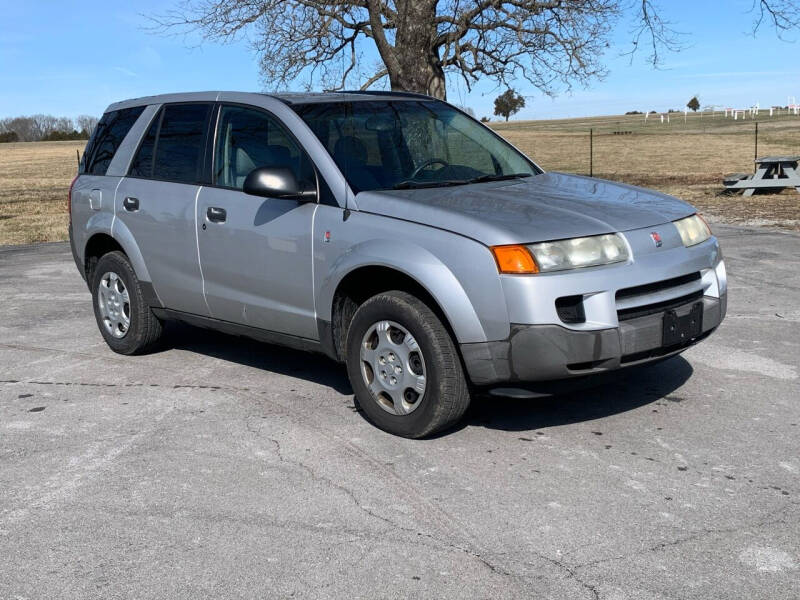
{"points": [[693, 104]]}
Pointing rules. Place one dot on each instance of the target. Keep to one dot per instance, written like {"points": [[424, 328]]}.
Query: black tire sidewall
{"points": [[420, 322], [118, 263]]}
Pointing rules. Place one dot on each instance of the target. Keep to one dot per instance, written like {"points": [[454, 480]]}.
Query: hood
{"points": [[549, 206]]}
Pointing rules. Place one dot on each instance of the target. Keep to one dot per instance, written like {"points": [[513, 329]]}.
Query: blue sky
{"points": [[69, 58]]}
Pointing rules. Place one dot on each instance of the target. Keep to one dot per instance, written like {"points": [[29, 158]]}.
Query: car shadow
{"points": [[626, 390], [629, 389], [315, 368]]}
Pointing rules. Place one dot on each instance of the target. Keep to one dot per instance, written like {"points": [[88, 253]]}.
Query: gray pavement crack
{"points": [[439, 543], [126, 385], [766, 521], [329, 482]]}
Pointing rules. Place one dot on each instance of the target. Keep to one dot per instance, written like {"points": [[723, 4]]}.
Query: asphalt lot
{"points": [[221, 468]]}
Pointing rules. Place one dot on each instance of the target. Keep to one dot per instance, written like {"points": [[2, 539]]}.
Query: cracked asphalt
{"points": [[223, 468]]}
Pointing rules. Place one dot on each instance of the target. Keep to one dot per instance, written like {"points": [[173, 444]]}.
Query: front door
{"points": [[256, 253]]}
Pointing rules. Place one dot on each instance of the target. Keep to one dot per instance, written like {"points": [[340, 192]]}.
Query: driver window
{"points": [[248, 139]]}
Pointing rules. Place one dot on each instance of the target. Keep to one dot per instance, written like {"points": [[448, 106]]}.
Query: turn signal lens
{"points": [[515, 260]]}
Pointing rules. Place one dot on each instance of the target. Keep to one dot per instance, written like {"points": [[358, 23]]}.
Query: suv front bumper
{"points": [[620, 322], [535, 353]]}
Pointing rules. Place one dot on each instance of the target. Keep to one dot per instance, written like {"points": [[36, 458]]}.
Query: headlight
{"points": [[580, 252], [574, 253], [693, 230]]}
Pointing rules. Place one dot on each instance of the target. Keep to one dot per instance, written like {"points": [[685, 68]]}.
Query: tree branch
{"points": [[374, 79]]}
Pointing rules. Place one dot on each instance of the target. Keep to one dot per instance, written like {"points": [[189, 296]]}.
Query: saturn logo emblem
{"points": [[656, 237]]}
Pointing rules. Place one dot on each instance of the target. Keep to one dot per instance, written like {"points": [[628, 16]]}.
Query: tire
{"points": [[125, 320], [425, 349]]}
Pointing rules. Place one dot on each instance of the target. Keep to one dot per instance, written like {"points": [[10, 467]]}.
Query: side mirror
{"points": [[277, 182]]}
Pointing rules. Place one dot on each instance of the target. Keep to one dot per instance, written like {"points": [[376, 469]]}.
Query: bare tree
{"points": [[64, 124], [24, 127], [44, 125], [783, 15], [38, 127], [554, 44], [86, 123]]}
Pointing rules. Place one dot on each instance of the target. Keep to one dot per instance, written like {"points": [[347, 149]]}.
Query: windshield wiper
{"points": [[482, 178], [409, 184]]}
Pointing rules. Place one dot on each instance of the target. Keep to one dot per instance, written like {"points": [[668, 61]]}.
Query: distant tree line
{"points": [[41, 128]]}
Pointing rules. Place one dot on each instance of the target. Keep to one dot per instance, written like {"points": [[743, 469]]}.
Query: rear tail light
{"points": [[69, 197]]}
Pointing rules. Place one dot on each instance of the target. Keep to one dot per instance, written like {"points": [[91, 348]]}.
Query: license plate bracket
{"points": [[680, 330]]}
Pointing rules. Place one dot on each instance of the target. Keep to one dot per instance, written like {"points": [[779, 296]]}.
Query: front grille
{"points": [[653, 298], [658, 286], [651, 309]]}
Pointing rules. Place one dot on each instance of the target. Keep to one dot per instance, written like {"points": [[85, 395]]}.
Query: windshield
{"points": [[406, 144]]}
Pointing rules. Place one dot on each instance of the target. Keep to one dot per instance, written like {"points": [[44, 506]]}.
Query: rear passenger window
{"points": [[106, 139], [174, 147]]}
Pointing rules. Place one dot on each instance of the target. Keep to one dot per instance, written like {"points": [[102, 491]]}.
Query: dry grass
{"points": [[686, 160], [34, 178]]}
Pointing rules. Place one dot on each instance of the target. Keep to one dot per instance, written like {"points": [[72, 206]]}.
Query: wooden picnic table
{"points": [[773, 172]]}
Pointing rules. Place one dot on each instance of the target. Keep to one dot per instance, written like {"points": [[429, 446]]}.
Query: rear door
{"points": [[93, 191], [156, 202], [256, 252]]}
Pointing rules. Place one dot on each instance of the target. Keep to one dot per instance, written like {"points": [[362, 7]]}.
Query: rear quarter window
{"points": [[106, 139]]}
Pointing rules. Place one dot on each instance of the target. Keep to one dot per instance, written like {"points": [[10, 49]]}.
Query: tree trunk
{"points": [[418, 66]]}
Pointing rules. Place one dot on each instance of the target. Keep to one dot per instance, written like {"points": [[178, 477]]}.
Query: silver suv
{"points": [[389, 231]]}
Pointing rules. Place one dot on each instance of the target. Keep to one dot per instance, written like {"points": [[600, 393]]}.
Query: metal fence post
{"points": [[591, 152], [755, 157]]}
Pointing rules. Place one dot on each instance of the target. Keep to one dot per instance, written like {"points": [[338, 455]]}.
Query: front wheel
{"points": [[126, 321], [404, 367]]}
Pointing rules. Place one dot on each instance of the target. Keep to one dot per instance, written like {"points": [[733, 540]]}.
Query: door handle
{"points": [[131, 204], [216, 215]]}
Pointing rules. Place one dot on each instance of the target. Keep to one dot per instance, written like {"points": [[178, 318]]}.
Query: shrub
{"points": [[60, 136]]}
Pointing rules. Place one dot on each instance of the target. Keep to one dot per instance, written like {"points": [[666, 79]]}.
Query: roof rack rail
{"points": [[383, 93]]}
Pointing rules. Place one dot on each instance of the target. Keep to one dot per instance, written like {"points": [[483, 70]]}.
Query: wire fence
{"points": [[692, 151]]}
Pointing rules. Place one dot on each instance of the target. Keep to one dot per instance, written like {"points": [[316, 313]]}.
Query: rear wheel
{"points": [[126, 322], [404, 367]]}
